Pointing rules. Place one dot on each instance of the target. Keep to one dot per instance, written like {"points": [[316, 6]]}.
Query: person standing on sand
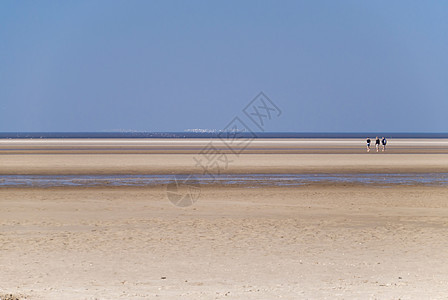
{"points": [[377, 144], [368, 144], [384, 142]]}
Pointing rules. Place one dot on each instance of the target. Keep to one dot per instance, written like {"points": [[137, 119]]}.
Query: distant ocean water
{"points": [[217, 134]]}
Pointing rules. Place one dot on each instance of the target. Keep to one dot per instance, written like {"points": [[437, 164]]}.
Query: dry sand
{"points": [[324, 241], [335, 242]]}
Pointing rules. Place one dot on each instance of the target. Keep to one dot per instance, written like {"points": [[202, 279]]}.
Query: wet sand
{"points": [[244, 163], [260, 242]]}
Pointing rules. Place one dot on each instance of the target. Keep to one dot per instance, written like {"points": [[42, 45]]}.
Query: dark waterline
{"points": [[216, 134], [246, 180]]}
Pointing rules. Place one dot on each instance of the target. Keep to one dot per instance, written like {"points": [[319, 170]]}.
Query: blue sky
{"points": [[348, 66]]}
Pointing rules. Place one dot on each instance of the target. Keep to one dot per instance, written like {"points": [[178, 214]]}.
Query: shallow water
{"points": [[247, 180]]}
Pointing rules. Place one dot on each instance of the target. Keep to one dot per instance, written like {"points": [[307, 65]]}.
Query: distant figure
{"points": [[377, 144], [368, 144], [384, 142]]}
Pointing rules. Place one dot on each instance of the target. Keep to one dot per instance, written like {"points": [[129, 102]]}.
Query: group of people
{"points": [[377, 144]]}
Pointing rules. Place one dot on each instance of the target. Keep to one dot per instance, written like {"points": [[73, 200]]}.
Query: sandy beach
{"points": [[320, 240], [247, 150], [187, 156]]}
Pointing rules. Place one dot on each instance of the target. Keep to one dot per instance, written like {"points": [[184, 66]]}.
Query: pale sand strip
{"points": [[14, 143], [259, 243], [195, 146], [245, 163]]}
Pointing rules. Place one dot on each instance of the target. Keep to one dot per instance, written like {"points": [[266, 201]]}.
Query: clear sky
{"points": [[330, 66]]}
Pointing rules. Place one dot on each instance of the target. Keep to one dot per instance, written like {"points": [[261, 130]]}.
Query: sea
{"points": [[203, 133], [240, 180]]}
